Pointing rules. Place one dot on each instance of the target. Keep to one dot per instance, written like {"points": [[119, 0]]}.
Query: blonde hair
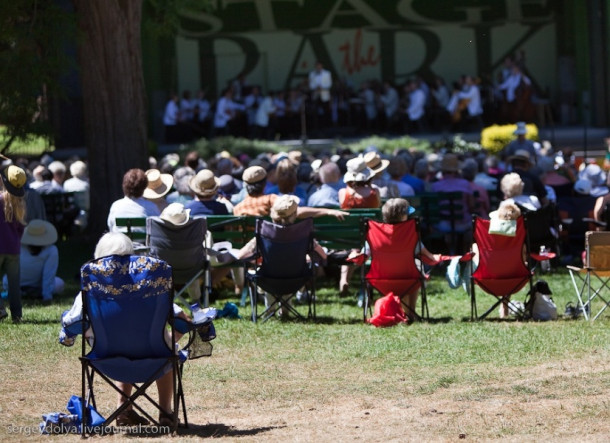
{"points": [[14, 207], [511, 185]]}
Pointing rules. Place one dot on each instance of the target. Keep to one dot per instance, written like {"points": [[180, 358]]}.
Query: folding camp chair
{"points": [[394, 266], [591, 280], [127, 301], [542, 228], [182, 246], [501, 270], [284, 267]]}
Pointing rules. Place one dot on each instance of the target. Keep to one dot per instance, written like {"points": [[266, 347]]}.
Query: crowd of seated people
{"points": [[235, 183]]}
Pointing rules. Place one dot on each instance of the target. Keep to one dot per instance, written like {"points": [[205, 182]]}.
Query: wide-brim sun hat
{"points": [[176, 214], [357, 170], [158, 184], [285, 206], [39, 233], [375, 163], [204, 183]]}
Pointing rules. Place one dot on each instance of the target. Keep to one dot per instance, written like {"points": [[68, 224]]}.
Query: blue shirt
{"points": [[206, 207], [325, 197], [418, 185]]}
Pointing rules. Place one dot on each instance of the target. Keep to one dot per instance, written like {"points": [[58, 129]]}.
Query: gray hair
{"points": [[113, 243], [182, 177], [511, 185]]}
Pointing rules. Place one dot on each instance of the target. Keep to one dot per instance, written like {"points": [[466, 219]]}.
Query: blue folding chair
{"points": [[284, 268], [127, 301]]}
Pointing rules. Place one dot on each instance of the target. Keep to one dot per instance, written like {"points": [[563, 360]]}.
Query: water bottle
{"points": [[545, 265]]}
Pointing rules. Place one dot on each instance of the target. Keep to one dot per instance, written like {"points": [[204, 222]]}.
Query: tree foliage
{"points": [[33, 35]]}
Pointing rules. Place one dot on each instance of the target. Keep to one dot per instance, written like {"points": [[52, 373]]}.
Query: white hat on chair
{"points": [[176, 213]]}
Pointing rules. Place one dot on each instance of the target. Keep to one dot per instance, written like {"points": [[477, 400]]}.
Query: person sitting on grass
{"points": [[116, 243]]}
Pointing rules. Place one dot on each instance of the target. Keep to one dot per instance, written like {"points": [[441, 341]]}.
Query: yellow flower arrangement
{"points": [[495, 137]]}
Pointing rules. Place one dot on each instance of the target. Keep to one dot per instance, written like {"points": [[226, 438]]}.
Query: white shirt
{"points": [[321, 81], [370, 107], [511, 84], [390, 102], [473, 94], [170, 117], [186, 110], [417, 101], [81, 189], [252, 103], [225, 110], [202, 107], [130, 208], [266, 108]]}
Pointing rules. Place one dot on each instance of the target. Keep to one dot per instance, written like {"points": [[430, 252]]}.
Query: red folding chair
{"points": [[394, 267], [502, 271]]}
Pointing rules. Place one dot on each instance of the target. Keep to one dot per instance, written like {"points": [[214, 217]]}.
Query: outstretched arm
{"points": [[307, 211]]}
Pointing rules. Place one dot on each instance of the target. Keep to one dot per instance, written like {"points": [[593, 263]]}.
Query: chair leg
{"points": [[473, 301], [253, 299]]}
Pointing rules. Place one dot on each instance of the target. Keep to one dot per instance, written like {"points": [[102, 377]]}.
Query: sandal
{"points": [[130, 418], [166, 419]]}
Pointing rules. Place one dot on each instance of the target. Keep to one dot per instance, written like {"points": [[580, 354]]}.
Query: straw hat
{"points": [[158, 184], [375, 162], [14, 178], [254, 174], [295, 157], [521, 129], [204, 183], [284, 206], [39, 233], [357, 170], [176, 214], [450, 163]]}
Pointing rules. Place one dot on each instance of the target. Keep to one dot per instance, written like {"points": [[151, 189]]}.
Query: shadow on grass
{"points": [[437, 320], [325, 320], [222, 430]]}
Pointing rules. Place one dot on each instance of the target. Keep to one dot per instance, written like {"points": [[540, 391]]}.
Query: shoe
{"points": [[166, 419], [302, 297], [130, 418], [3, 313], [344, 290], [17, 320]]}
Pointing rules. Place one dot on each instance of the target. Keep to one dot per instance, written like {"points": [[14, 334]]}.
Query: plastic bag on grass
{"points": [[388, 312]]}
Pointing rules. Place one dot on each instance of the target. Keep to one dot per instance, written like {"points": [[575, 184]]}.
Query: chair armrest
{"points": [[547, 256]]}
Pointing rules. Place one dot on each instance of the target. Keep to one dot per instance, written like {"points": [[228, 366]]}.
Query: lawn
{"points": [[338, 379]]}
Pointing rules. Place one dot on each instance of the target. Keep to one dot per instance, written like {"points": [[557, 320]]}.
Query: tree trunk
{"points": [[110, 54]]}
